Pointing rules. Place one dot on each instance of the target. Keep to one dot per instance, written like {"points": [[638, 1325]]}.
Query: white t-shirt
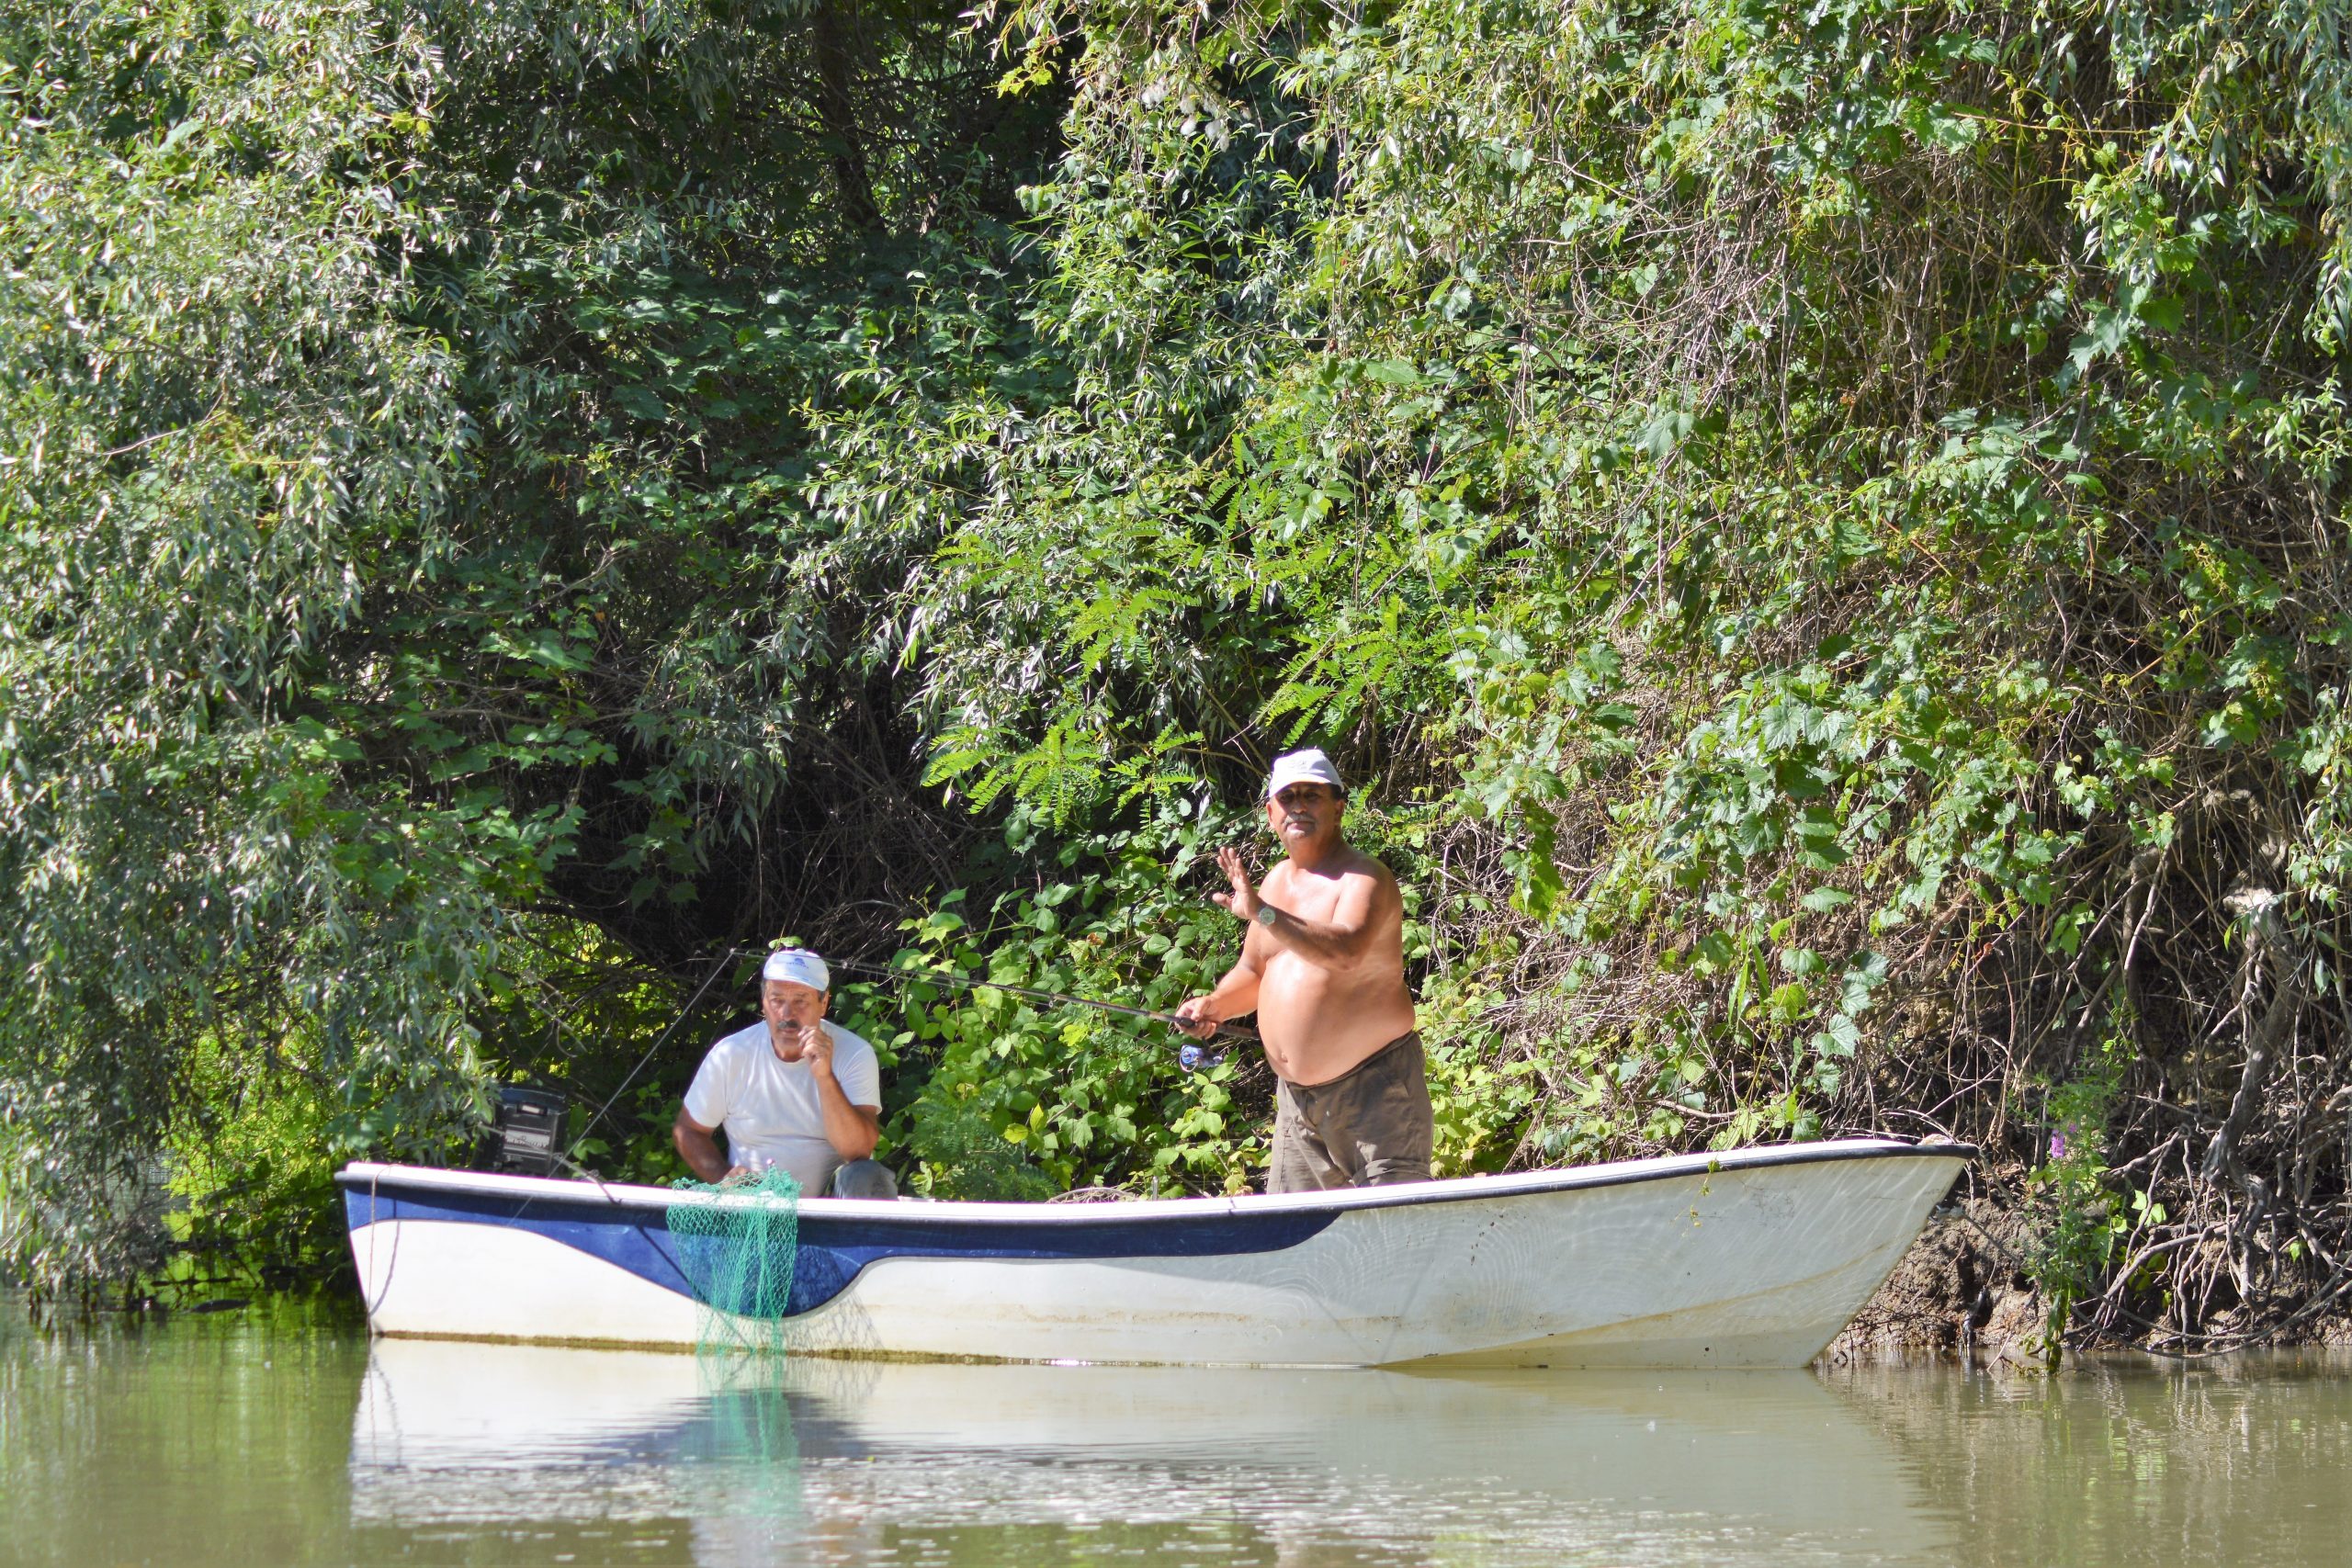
{"points": [[769, 1106]]}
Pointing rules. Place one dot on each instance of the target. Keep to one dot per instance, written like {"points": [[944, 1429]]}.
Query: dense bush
{"points": [[1819, 527], [1837, 511], [405, 411]]}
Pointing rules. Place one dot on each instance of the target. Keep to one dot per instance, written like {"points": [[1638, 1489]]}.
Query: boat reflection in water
{"points": [[657, 1456]]}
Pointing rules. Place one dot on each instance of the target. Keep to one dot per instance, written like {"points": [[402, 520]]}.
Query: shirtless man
{"points": [[1323, 966]]}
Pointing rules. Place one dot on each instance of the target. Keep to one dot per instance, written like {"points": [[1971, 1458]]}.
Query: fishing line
{"points": [[663, 1039], [930, 976], [935, 977]]}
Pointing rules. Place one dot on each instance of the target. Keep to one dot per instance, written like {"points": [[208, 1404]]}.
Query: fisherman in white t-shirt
{"points": [[795, 1089]]}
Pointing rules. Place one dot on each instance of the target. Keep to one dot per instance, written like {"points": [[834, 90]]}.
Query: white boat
{"points": [[1754, 1257]]}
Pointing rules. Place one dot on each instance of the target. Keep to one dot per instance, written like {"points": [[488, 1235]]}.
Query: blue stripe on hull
{"points": [[832, 1252]]}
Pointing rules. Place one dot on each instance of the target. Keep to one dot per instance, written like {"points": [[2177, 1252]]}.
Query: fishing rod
{"points": [[933, 976]]}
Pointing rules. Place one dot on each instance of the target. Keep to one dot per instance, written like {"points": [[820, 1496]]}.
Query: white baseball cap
{"points": [[1310, 766], [799, 965]]}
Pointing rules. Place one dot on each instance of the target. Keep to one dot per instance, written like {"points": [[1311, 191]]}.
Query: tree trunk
{"points": [[2267, 946], [835, 41]]}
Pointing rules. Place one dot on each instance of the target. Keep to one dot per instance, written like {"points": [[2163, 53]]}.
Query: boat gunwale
{"points": [[372, 1178]]}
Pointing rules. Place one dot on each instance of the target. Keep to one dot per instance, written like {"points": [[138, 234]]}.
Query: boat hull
{"points": [[1750, 1258]]}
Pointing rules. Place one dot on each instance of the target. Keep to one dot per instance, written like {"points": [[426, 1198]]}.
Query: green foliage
{"points": [[2081, 1222], [218, 412], [1021, 1097], [1844, 501], [1817, 527], [253, 1174], [400, 530], [961, 1153]]}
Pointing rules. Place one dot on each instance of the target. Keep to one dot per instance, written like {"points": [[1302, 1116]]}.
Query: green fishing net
{"points": [[749, 1455], [735, 1243]]}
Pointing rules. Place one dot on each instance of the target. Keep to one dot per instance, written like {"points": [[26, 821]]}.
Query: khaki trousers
{"points": [[1369, 1127]]}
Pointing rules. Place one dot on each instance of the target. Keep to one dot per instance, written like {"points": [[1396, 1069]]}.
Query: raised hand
{"points": [[1242, 902]]}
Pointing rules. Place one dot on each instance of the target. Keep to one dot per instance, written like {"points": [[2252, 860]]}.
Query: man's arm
{"points": [[853, 1130], [1339, 943], [698, 1148], [1235, 994]]}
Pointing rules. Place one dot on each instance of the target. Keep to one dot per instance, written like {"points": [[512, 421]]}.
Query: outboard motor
{"points": [[528, 1132]]}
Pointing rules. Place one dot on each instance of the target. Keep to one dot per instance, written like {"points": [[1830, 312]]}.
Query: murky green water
{"points": [[215, 1440]]}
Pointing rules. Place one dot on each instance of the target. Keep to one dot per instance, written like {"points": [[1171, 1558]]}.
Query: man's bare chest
{"points": [[1309, 897]]}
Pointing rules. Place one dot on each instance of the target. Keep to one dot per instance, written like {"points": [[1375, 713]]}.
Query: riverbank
{"points": [[1965, 1294]]}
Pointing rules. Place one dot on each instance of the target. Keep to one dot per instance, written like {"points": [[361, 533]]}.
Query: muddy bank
{"points": [[1961, 1293], [1964, 1292]]}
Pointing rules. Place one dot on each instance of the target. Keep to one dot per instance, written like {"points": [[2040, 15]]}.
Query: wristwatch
{"points": [[1265, 916]]}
